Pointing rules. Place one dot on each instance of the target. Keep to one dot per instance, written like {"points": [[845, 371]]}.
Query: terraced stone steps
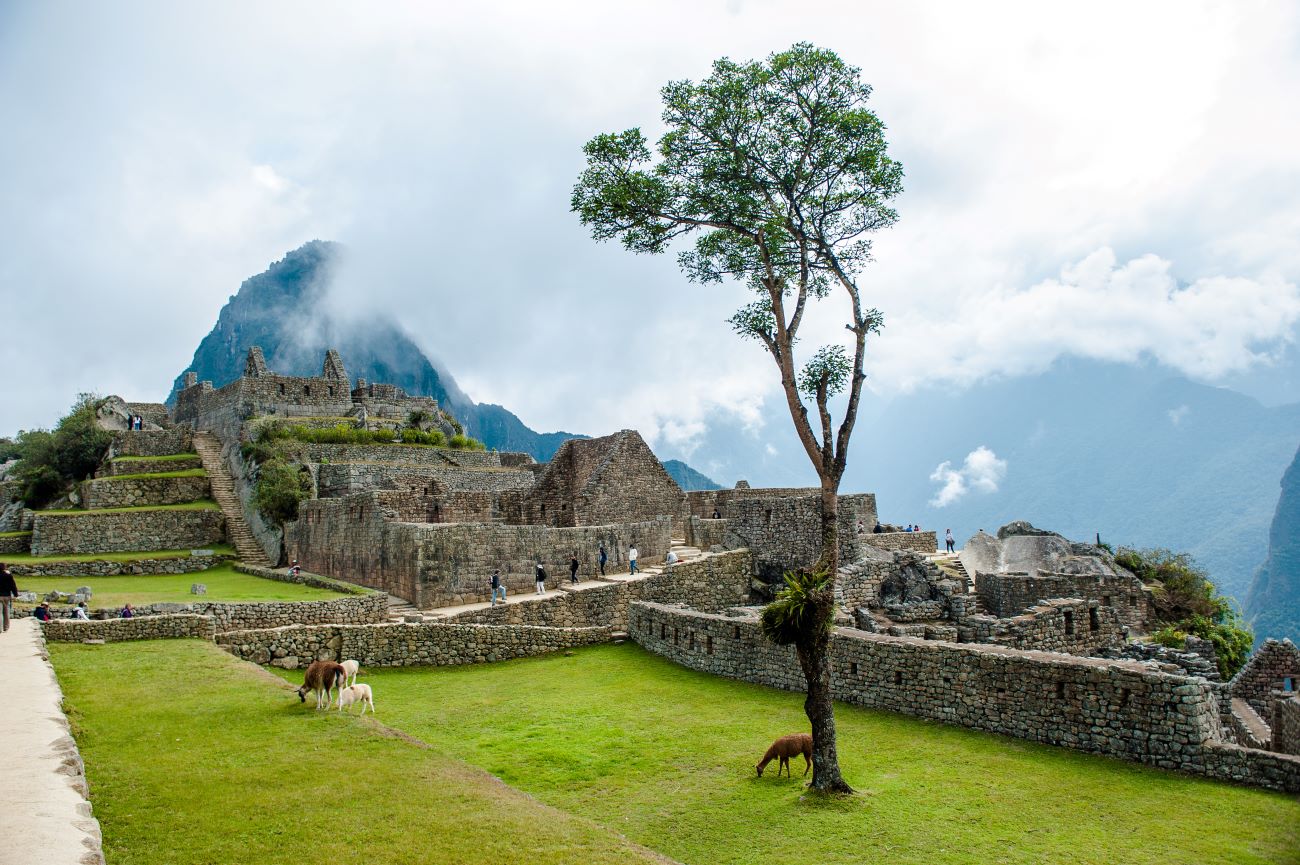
{"points": [[223, 491]]}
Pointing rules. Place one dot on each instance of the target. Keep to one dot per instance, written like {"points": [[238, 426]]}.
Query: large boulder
{"points": [[1019, 547]]}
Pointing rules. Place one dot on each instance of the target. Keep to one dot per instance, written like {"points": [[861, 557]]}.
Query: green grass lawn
{"points": [[180, 473], [224, 584], [28, 558], [13, 534], [195, 758], [199, 505], [666, 755], [162, 459]]}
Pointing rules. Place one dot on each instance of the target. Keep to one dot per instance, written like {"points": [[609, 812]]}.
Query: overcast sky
{"points": [[1115, 181]]}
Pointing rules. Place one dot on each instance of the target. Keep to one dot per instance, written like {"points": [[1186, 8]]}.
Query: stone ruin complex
{"points": [[1023, 633]]}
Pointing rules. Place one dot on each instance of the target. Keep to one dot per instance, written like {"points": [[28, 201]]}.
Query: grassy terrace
{"points": [[28, 558], [163, 459], [181, 473], [611, 742], [224, 584], [14, 534], [200, 505]]}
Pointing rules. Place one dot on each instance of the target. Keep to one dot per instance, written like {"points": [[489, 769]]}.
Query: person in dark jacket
{"points": [[42, 612], [8, 591], [540, 577], [498, 590], [604, 557], [573, 568]]}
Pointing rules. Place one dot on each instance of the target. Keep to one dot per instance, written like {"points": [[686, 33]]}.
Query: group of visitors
{"points": [[498, 586], [43, 613], [135, 422]]}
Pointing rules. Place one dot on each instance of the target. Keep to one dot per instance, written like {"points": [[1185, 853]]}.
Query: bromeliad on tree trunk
{"points": [[779, 171]]}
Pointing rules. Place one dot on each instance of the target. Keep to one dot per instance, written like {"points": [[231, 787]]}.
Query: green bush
{"points": [[462, 442], [342, 434], [280, 488], [50, 461]]}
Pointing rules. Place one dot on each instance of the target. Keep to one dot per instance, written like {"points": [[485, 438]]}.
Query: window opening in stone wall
{"points": [[769, 516], [1002, 692], [281, 388], [690, 643], [898, 677], [1132, 600], [708, 644], [1105, 599], [663, 632], [330, 388], [1094, 620], [737, 633], [306, 390], [1069, 623], [677, 637], [1124, 694], [1060, 690], [853, 668], [1288, 684]]}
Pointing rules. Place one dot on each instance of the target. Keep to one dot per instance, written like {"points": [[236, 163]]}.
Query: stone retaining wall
{"points": [[1118, 708], [1286, 725], [142, 628], [400, 645], [115, 492], [342, 479], [713, 583], [1008, 594], [124, 531], [1267, 673], [411, 455], [130, 466], [917, 542], [16, 543], [784, 531], [705, 534], [1071, 625], [154, 443], [56, 568]]}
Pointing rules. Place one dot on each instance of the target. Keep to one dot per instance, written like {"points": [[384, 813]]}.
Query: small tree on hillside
{"points": [[780, 172]]}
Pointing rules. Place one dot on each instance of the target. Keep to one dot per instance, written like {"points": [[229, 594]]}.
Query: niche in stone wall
{"points": [[1069, 623], [1094, 620]]}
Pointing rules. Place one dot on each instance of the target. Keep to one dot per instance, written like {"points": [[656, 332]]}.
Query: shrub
{"points": [[462, 442], [418, 418], [280, 488], [50, 461]]}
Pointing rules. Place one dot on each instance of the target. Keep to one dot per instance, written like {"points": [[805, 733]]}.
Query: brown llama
{"points": [[323, 677], [785, 748]]}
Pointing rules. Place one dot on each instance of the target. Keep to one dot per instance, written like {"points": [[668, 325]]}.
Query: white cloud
{"points": [[980, 472], [1095, 308], [1176, 415]]}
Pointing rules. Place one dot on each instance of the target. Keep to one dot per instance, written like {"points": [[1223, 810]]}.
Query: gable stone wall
{"points": [[1008, 594]]}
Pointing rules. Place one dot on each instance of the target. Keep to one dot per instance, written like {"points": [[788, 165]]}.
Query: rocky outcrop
{"points": [[1021, 548], [1273, 604]]}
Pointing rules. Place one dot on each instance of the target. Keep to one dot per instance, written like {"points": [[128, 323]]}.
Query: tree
{"points": [[779, 172]]}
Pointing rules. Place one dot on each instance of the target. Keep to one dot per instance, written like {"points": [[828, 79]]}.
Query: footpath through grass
{"points": [[224, 584], [666, 755], [195, 758]]}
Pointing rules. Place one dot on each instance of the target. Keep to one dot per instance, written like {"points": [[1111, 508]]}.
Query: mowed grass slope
{"points": [[194, 757], [224, 584], [666, 755]]}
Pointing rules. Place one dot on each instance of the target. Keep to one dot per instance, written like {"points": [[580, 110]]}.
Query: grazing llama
{"points": [[357, 694], [785, 748], [322, 677], [351, 668]]}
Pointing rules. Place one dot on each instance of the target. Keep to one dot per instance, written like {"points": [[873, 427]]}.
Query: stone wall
{"points": [[133, 466], [133, 492], [1286, 725], [403, 645], [151, 443], [1007, 594], [705, 533], [395, 454], [123, 531], [1117, 708], [367, 539], [919, 542], [1268, 671], [1074, 626], [711, 583], [784, 531], [335, 480], [142, 628], [18, 542], [179, 565]]}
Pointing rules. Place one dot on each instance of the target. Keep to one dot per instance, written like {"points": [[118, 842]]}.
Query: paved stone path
{"points": [[44, 816]]}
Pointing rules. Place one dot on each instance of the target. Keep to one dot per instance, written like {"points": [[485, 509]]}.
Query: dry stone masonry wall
{"points": [[151, 443], [176, 565], [919, 542], [135, 466], [143, 628], [125, 531], [131, 492], [1009, 594]]}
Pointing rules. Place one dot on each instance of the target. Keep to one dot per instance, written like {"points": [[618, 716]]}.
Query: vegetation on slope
{"points": [[1186, 601], [50, 461]]}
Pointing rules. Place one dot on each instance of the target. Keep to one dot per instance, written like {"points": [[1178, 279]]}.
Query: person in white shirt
{"points": [[631, 559]]}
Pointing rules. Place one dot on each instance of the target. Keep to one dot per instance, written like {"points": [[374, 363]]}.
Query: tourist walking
{"points": [[541, 578], [631, 560], [498, 589], [573, 567], [948, 540], [8, 591], [604, 557]]}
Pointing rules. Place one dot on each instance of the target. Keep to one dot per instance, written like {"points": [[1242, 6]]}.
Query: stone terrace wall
{"points": [[918, 542], [1286, 725], [784, 532], [118, 630], [55, 568], [1117, 708], [711, 583], [335, 480], [18, 543], [123, 531], [156, 443], [1071, 625], [401, 645], [362, 540], [132, 466], [113, 492], [1008, 594], [394, 454]]}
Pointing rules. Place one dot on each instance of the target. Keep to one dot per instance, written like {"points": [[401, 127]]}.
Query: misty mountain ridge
{"points": [[1274, 601]]}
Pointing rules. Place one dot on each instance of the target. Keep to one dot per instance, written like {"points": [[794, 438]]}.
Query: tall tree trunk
{"points": [[830, 557], [814, 658]]}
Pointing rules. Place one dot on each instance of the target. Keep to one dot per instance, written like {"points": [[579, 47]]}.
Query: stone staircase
{"points": [[223, 491]]}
